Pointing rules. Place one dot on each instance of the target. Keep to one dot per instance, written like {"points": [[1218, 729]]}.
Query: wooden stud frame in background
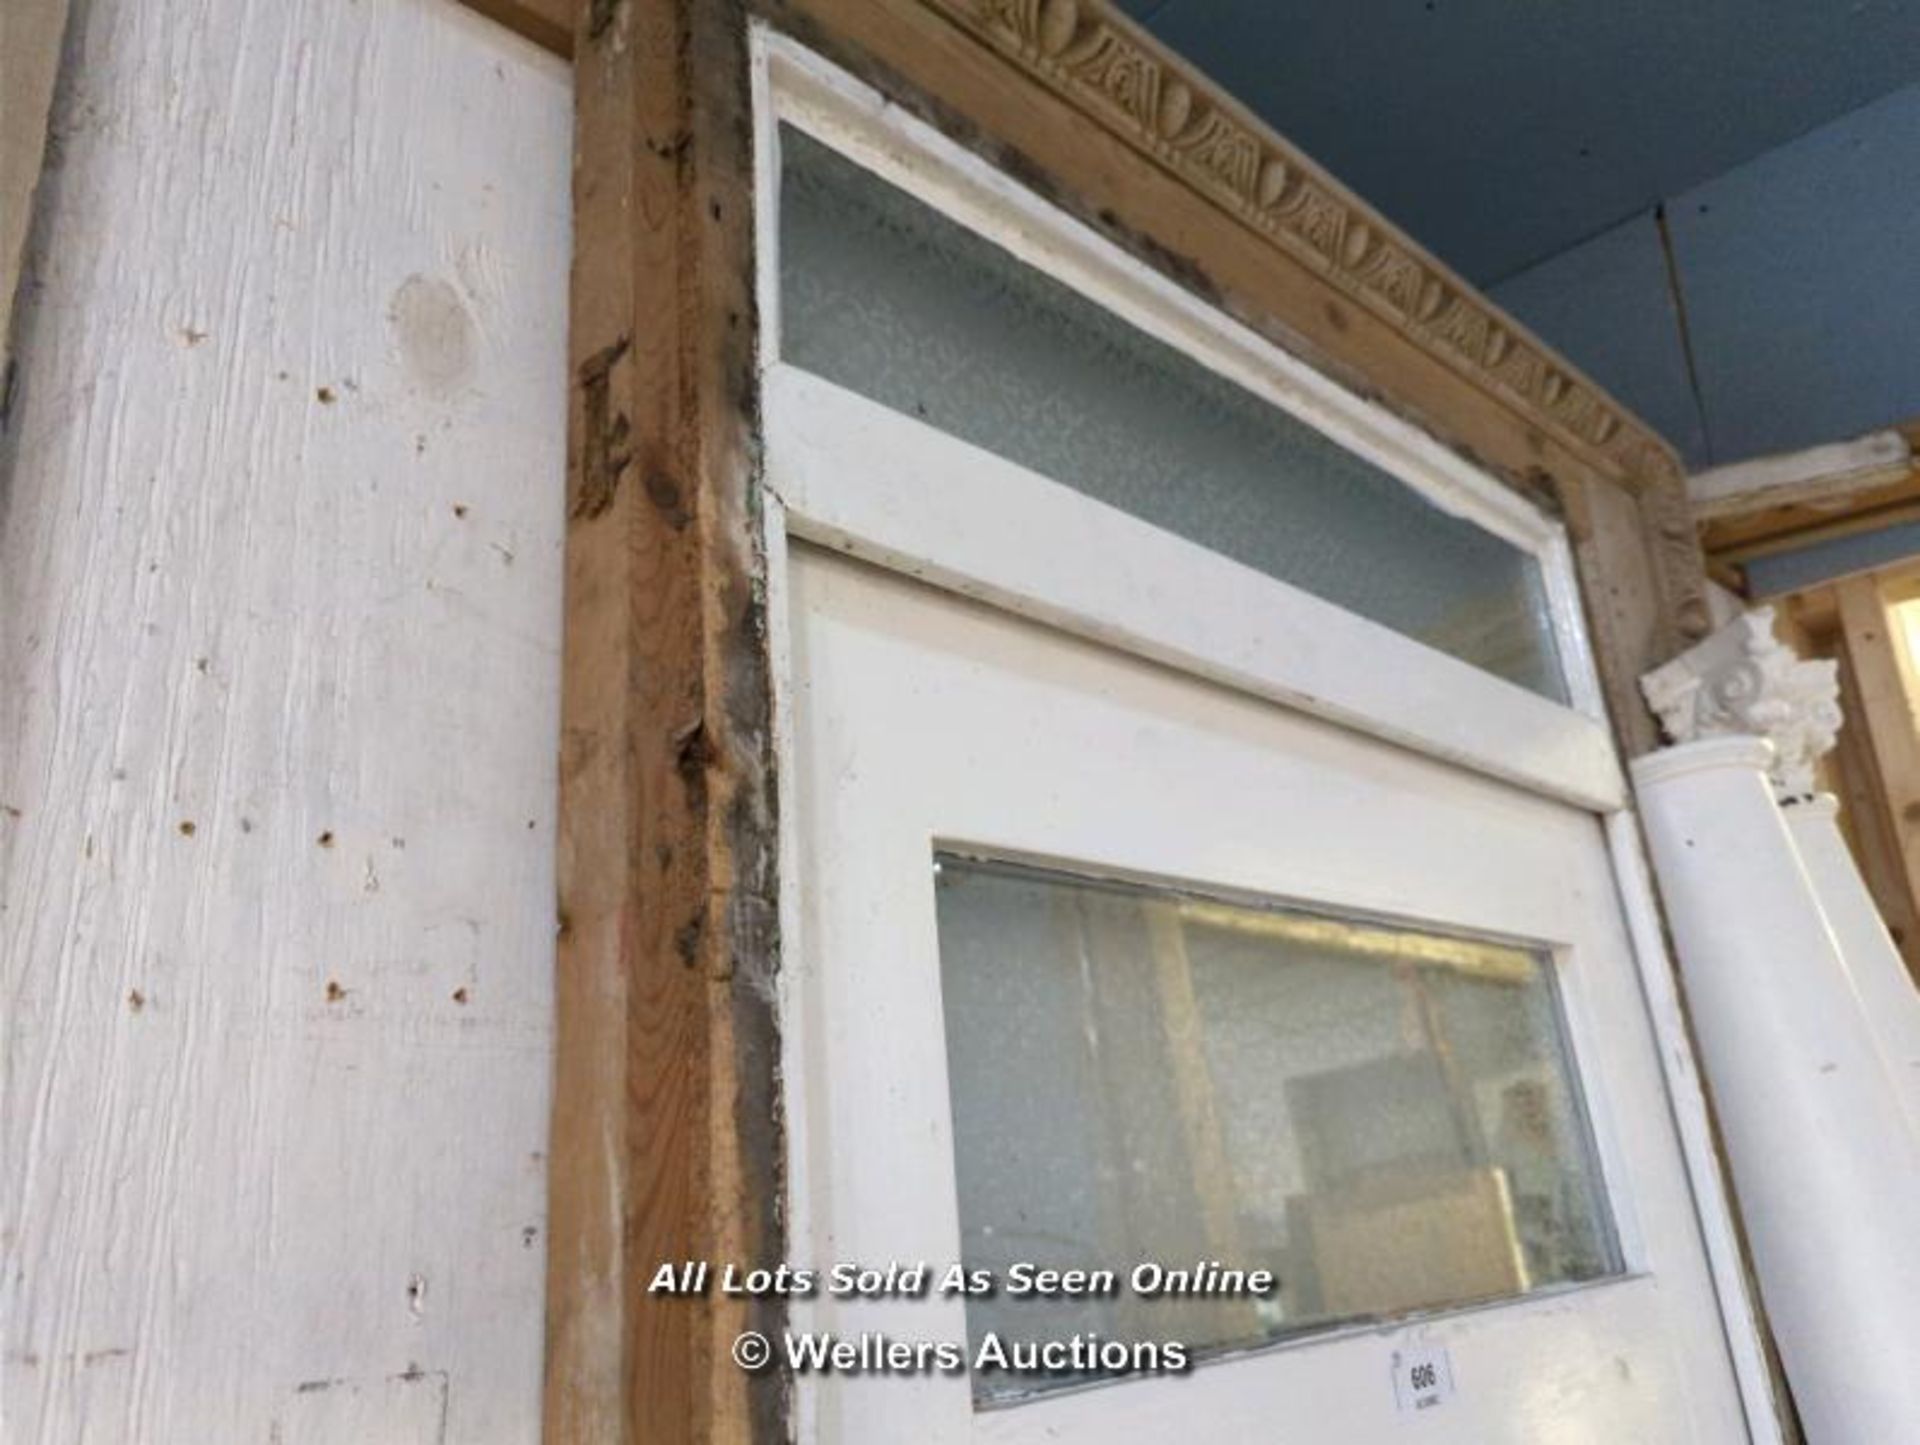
{"points": [[1874, 768]]}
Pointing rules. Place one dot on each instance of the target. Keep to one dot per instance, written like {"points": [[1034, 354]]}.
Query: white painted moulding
{"points": [[1824, 475], [1826, 1166]]}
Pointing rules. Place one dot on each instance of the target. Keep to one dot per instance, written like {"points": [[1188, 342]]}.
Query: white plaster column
{"points": [[1879, 974], [1744, 682], [1825, 1162]]}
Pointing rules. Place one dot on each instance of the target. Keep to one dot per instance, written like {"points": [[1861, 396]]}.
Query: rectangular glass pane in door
{"points": [[1387, 1119], [885, 296]]}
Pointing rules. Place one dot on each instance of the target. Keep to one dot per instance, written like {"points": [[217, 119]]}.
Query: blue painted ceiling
{"points": [[1500, 134]]}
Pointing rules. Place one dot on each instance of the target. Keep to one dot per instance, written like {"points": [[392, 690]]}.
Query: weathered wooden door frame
{"points": [[667, 1131]]}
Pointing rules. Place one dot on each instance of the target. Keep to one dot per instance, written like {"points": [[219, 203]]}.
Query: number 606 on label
{"points": [[1422, 1377]]}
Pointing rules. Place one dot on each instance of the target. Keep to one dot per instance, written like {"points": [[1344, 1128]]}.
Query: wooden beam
{"points": [[1824, 474], [1776, 504], [1879, 698], [1868, 825], [666, 1130], [1787, 529]]}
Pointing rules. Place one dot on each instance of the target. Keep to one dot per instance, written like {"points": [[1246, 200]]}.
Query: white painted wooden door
{"points": [[921, 721]]}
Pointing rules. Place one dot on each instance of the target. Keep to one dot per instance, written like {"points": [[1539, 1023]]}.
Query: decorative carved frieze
{"points": [[1102, 63], [1744, 680], [1675, 546]]}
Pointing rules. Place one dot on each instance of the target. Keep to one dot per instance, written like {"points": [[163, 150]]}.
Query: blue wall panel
{"points": [[1839, 557], [1801, 272], [1801, 276], [1607, 305], [1502, 132]]}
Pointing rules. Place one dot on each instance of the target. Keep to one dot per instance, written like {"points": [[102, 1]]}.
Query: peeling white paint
{"points": [[281, 599]]}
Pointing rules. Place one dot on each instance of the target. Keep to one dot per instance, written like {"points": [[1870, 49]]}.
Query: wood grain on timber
{"points": [[666, 1142]]}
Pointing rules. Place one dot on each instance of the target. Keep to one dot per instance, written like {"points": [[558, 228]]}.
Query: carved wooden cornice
{"points": [[1114, 72]]}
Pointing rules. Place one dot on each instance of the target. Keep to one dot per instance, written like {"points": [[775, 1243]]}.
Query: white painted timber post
{"points": [[1825, 1162], [1879, 974]]}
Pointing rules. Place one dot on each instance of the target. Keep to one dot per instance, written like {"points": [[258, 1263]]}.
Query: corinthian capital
{"points": [[1744, 680]]}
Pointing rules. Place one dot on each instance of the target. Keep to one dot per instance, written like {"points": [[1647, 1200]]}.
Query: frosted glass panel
{"points": [[1385, 1119], [885, 296]]}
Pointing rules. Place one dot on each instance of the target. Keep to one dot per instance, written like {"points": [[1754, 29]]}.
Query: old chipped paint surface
{"points": [[282, 619]]}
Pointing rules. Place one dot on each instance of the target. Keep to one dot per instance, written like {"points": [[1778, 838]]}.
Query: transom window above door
{"points": [[883, 294]]}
